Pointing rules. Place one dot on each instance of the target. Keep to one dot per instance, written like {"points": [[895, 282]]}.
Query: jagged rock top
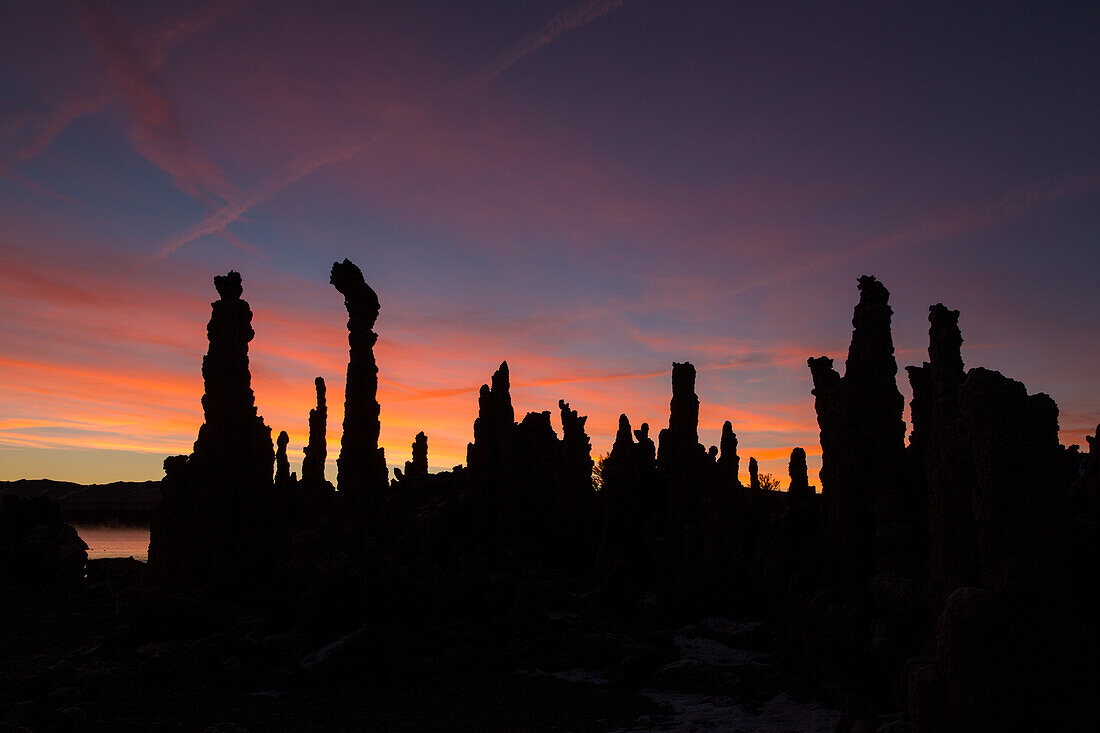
{"points": [[871, 354], [823, 375], [500, 379], [347, 278], [797, 470], [728, 441], [622, 435], [945, 339], [872, 291], [229, 286]]}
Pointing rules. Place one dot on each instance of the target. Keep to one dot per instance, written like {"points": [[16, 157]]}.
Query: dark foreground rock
{"points": [[119, 655], [37, 549]]}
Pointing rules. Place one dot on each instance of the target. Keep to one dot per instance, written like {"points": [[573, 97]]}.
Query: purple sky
{"points": [[590, 191]]}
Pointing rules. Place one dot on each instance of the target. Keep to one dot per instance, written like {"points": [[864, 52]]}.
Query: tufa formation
{"points": [[947, 583]]}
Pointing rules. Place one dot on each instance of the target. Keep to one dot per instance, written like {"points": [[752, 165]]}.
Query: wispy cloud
{"points": [[235, 207]]}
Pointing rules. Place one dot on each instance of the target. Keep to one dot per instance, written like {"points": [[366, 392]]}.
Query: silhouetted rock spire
{"points": [[1092, 466], [647, 451], [493, 426], [635, 515], [233, 442], [679, 442], [945, 359], [361, 466], [800, 481], [871, 353], [313, 465], [489, 457], [576, 450], [623, 441], [216, 512], [754, 474], [282, 463], [863, 459], [629, 462], [728, 462], [418, 466], [942, 457]]}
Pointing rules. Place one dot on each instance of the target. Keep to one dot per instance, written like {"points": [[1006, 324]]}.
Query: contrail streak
{"points": [[563, 22], [82, 105], [962, 221], [233, 209]]}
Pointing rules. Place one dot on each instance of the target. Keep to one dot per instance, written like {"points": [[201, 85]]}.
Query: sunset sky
{"points": [[590, 191]]}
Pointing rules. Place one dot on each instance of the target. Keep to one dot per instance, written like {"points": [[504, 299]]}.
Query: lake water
{"points": [[113, 541]]}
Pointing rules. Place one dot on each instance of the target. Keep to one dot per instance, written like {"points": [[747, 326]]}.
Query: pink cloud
{"points": [[357, 143], [154, 131], [156, 134], [56, 122]]}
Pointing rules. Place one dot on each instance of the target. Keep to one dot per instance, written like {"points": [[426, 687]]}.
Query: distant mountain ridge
{"points": [[128, 501]]}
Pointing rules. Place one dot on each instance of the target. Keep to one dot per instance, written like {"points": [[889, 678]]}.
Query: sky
{"points": [[588, 190]]}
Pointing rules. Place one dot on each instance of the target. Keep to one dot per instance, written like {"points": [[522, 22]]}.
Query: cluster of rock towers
{"points": [[898, 581], [221, 492]]}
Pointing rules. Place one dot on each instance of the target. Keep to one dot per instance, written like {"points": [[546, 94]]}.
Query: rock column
{"points": [[282, 463], [313, 466], [864, 478], [361, 467], [216, 521], [728, 462], [576, 452], [418, 466], [233, 443], [800, 481], [678, 444]]}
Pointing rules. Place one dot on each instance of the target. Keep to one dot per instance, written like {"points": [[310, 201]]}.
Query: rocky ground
{"points": [[116, 654]]}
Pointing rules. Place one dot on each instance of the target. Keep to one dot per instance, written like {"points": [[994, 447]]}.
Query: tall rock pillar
{"points": [[216, 522], [863, 474], [361, 467], [313, 465]]}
